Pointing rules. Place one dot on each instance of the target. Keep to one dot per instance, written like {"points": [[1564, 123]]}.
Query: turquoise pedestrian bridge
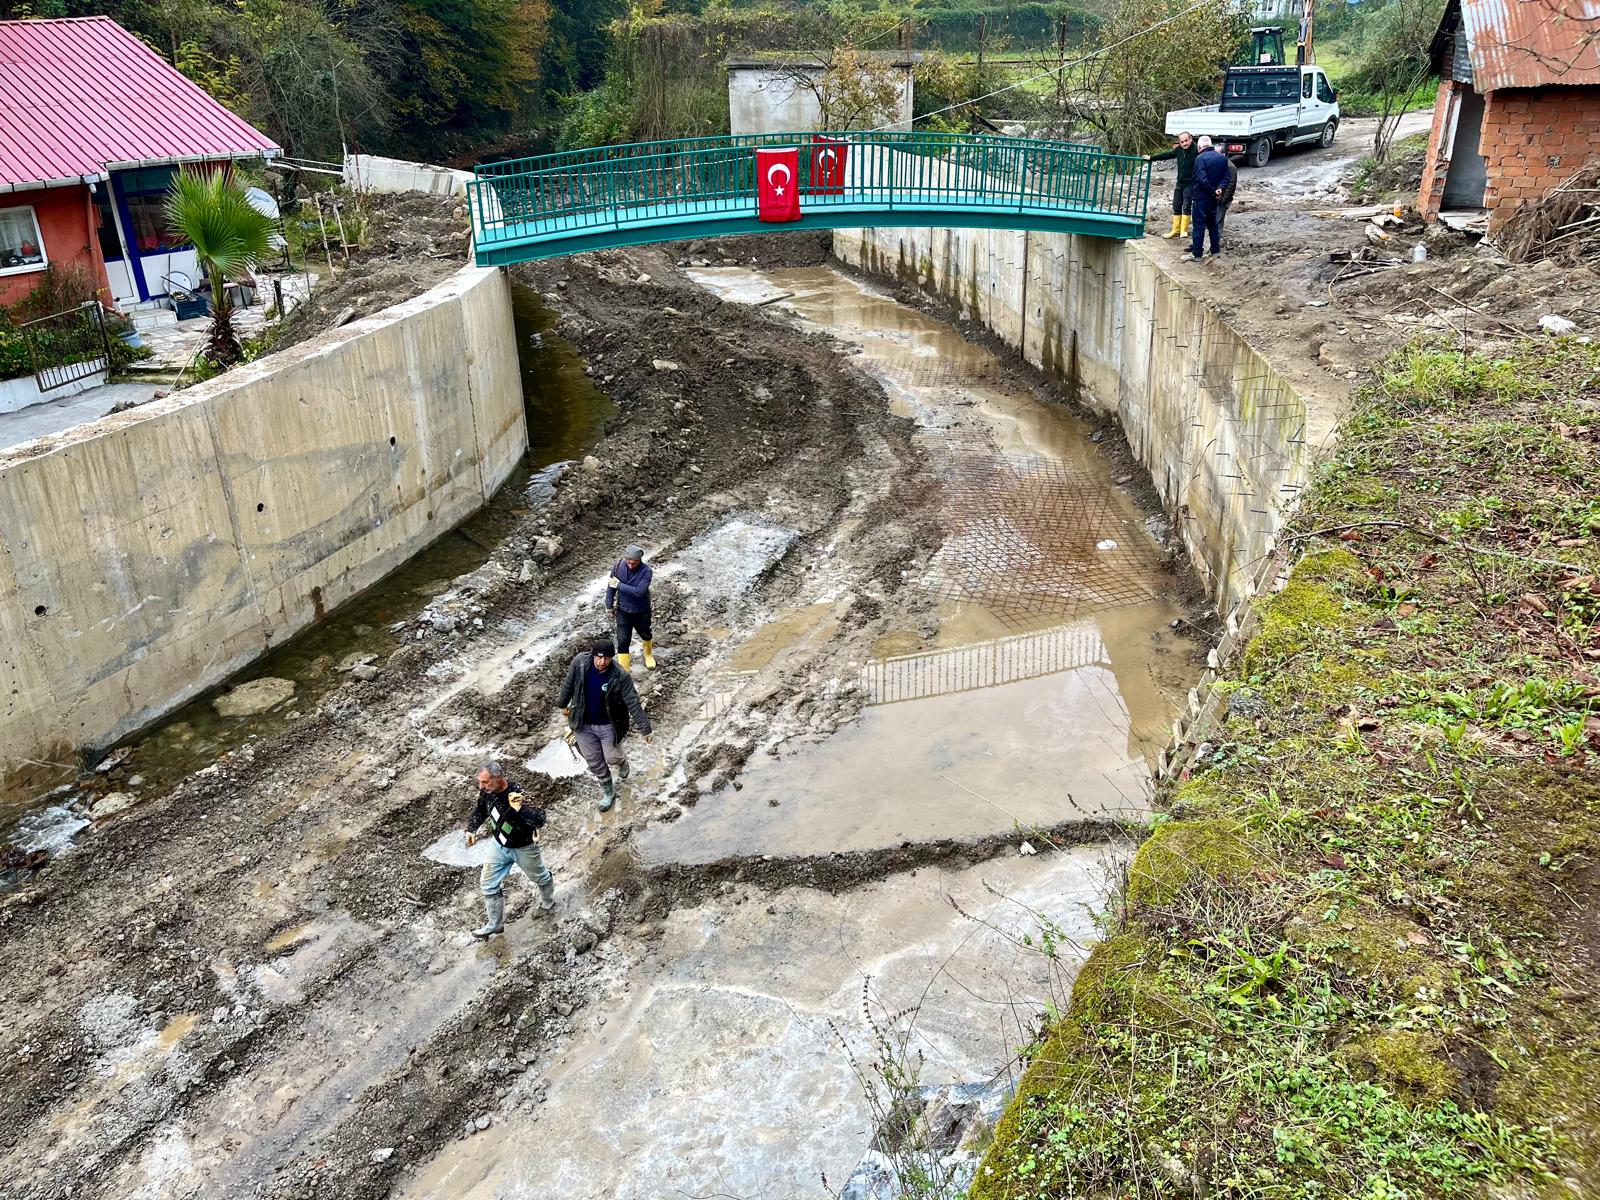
{"points": [[555, 204]]}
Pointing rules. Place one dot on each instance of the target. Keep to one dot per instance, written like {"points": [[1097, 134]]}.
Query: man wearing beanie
{"points": [[628, 596], [597, 698]]}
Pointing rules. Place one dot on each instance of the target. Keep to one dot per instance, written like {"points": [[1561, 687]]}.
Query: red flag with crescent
{"points": [[827, 166], [778, 184]]}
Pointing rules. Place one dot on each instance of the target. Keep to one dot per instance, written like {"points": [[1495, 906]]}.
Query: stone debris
{"points": [[257, 696]]}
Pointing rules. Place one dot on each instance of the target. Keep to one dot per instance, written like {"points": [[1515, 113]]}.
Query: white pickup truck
{"points": [[1263, 107]]}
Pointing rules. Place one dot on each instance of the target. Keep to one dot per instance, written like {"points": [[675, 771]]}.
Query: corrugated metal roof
{"points": [[82, 94], [1533, 43]]}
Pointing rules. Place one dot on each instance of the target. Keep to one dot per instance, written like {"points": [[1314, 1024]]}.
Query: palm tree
{"points": [[229, 237]]}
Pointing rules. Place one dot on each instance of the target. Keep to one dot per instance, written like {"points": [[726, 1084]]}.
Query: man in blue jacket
{"points": [[628, 597], [1210, 182], [598, 700]]}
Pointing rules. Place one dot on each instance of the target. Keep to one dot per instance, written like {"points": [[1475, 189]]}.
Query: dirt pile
{"points": [[409, 242]]}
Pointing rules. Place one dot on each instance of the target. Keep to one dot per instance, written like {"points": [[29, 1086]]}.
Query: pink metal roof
{"points": [[1532, 43], [80, 95]]}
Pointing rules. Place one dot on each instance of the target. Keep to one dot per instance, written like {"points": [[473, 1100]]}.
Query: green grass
{"points": [[1352, 960]]}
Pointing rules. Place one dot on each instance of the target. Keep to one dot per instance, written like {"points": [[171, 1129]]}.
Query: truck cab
{"points": [[1265, 106]]}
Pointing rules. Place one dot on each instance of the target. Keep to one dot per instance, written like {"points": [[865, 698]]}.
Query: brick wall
{"points": [[1535, 138]]}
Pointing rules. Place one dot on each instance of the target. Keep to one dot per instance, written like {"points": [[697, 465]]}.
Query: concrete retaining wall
{"points": [[147, 556], [369, 173], [1224, 436]]}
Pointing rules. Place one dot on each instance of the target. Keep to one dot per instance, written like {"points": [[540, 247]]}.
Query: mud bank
{"points": [[260, 982]]}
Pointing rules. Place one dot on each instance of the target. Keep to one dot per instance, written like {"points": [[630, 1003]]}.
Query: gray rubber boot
{"points": [[547, 899], [608, 795], [495, 907], [623, 769]]}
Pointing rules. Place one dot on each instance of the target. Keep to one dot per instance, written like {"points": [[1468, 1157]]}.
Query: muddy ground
{"points": [[256, 985], [1287, 281]]}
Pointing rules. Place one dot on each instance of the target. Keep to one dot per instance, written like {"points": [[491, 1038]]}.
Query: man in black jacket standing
{"points": [[597, 698], [1184, 154], [1210, 182], [513, 822]]}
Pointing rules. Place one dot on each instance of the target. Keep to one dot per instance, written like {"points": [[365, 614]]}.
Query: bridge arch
{"points": [[627, 195]]}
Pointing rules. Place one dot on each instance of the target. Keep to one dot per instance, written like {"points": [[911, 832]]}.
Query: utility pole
{"points": [[1061, 61], [983, 33]]}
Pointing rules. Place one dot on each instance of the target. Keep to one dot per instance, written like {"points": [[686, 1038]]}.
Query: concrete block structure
{"points": [[1518, 106], [766, 95]]}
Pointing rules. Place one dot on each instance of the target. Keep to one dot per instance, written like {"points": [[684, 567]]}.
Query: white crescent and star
{"points": [[777, 188]]}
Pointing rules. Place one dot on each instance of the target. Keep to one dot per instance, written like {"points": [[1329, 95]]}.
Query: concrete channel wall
{"points": [[147, 556], [1226, 439]]}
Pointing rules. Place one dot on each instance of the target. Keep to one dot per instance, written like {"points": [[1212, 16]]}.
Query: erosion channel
{"points": [[921, 637]]}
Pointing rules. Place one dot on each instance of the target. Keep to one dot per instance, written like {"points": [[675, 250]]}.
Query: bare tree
{"points": [[1395, 62], [1123, 83], [851, 88]]}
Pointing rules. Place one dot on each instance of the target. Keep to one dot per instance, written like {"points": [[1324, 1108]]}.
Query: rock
{"points": [[481, 1124], [1026, 848], [1247, 702], [591, 463], [441, 622], [643, 278], [526, 574], [1551, 323], [344, 316], [665, 364], [113, 760], [353, 660], [547, 549], [365, 672], [254, 697], [671, 312], [383, 1155], [111, 804]]}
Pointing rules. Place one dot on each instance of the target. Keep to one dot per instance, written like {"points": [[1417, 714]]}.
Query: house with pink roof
{"points": [[93, 124]]}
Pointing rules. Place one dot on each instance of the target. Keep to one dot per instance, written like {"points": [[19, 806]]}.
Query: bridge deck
{"points": [[653, 192]]}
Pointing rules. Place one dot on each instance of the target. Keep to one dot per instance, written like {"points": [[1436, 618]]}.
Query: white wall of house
{"points": [[764, 98]]}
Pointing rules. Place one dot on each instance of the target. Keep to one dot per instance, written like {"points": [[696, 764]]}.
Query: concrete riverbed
{"points": [[919, 640]]}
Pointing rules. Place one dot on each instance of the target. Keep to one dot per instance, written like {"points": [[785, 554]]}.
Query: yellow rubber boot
{"points": [[1177, 227], [650, 655], [626, 660], [1188, 226]]}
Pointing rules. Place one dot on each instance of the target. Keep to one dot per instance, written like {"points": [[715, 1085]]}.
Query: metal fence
{"points": [[650, 182], [67, 346]]}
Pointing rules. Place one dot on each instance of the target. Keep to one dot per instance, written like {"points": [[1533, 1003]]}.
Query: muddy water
{"points": [[1041, 693], [721, 1070], [1048, 687], [566, 418]]}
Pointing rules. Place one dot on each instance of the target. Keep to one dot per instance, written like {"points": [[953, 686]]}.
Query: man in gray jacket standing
{"points": [[598, 698]]}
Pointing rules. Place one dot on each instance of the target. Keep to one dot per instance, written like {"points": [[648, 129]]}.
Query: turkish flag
{"points": [[778, 184], [827, 166]]}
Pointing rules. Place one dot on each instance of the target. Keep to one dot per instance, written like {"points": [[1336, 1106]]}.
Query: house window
{"points": [[110, 247], [21, 247], [146, 193]]}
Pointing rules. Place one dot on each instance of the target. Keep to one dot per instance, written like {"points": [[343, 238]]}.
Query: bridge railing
{"points": [[691, 178]]}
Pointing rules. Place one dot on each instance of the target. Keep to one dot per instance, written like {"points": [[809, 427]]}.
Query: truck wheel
{"points": [[1328, 130], [1261, 152]]}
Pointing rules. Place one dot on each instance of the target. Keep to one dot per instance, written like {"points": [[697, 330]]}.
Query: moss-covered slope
{"points": [[1359, 956]]}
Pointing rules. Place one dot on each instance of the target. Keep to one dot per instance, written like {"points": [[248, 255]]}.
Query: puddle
{"points": [[1049, 687], [566, 417], [173, 1031], [723, 1073]]}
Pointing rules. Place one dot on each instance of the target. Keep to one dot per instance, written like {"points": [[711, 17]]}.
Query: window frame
{"points": [[38, 233]]}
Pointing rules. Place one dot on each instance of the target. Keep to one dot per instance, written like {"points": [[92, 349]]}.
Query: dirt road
{"points": [[889, 573]]}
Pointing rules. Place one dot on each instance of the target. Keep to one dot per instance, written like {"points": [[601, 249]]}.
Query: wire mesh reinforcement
{"points": [[987, 664], [1031, 537]]}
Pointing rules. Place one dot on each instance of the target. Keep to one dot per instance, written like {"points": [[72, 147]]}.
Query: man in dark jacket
{"points": [[503, 814], [1228, 194], [1184, 154], [628, 596], [597, 699], [1210, 181]]}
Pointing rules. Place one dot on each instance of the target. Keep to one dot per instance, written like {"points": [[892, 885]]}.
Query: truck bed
{"points": [[1210, 119]]}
